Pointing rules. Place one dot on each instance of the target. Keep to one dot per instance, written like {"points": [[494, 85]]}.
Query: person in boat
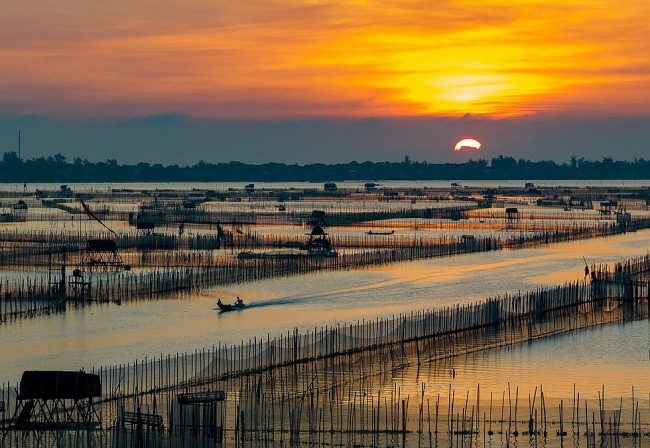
{"points": [[239, 302], [219, 302]]}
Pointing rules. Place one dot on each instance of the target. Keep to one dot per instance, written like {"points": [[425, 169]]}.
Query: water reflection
{"points": [[108, 334], [614, 356]]}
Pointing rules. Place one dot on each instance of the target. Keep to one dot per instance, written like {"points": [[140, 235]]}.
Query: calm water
{"points": [[221, 186], [110, 334], [614, 356]]}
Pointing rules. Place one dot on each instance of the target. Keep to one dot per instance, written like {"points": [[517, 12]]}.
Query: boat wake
{"points": [[276, 302]]}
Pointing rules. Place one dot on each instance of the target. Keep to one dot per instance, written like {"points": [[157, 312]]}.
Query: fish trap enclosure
{"points": [[335, 386]]}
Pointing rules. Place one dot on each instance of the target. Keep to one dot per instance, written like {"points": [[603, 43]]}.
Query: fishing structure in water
{"points": [[332, 385]]}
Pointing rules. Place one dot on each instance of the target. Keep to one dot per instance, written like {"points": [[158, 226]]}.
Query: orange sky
{"points": [[217, 58]]}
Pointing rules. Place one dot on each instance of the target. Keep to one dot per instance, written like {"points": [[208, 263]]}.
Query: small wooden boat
{"points": [[370, 232], [238, 305]]}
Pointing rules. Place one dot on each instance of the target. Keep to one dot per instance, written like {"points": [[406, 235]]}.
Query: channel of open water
{"points": [[616, 356]]}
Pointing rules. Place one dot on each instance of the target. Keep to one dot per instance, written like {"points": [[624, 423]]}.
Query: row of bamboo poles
{"points": [[172, 272], [335, 385], [512, 315], [354, 218], [28, 245], [338, 215], [423, 336], [387, 420], [32, 247]]}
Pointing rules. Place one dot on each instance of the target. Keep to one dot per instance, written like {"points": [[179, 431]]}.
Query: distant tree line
{"points": [[57, 169]]}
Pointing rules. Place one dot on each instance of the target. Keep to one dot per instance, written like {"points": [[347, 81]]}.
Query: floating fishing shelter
{"points": [[145, 227], [20, 205], [200, 413], [103, 254], [77, 287], [319, 244], [624, 220], [18, 213], [317, 218], [512, 214], [607, 207], [50, 400]]}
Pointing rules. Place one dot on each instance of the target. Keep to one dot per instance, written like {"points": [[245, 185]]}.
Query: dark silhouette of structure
{"points": [[103, 255], [51, 400], [512, 214], [199, 412]]}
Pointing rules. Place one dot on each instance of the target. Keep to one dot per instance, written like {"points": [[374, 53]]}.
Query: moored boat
{"points": [[371, 232]]}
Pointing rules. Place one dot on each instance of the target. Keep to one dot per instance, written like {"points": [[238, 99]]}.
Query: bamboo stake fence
{"points": [[29, 248], [177, 271], [332, 386]]}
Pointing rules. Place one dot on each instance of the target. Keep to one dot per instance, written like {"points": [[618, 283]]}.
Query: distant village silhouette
{"points": [[57, 169]]}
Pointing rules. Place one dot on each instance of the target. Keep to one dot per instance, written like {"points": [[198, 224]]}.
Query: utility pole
{"points": [[19, 160]]}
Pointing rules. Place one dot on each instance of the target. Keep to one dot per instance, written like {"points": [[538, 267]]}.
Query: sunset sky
{"points": [[324, 81]]}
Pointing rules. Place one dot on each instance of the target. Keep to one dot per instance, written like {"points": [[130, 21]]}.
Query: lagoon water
{"points": [[615, 356], [223, 186]]}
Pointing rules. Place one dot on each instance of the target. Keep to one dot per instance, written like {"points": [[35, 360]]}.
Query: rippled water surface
{"points": [[110, 334]]}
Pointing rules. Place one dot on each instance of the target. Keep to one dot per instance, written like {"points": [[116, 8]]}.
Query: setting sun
{"points": [[468, 143]]}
